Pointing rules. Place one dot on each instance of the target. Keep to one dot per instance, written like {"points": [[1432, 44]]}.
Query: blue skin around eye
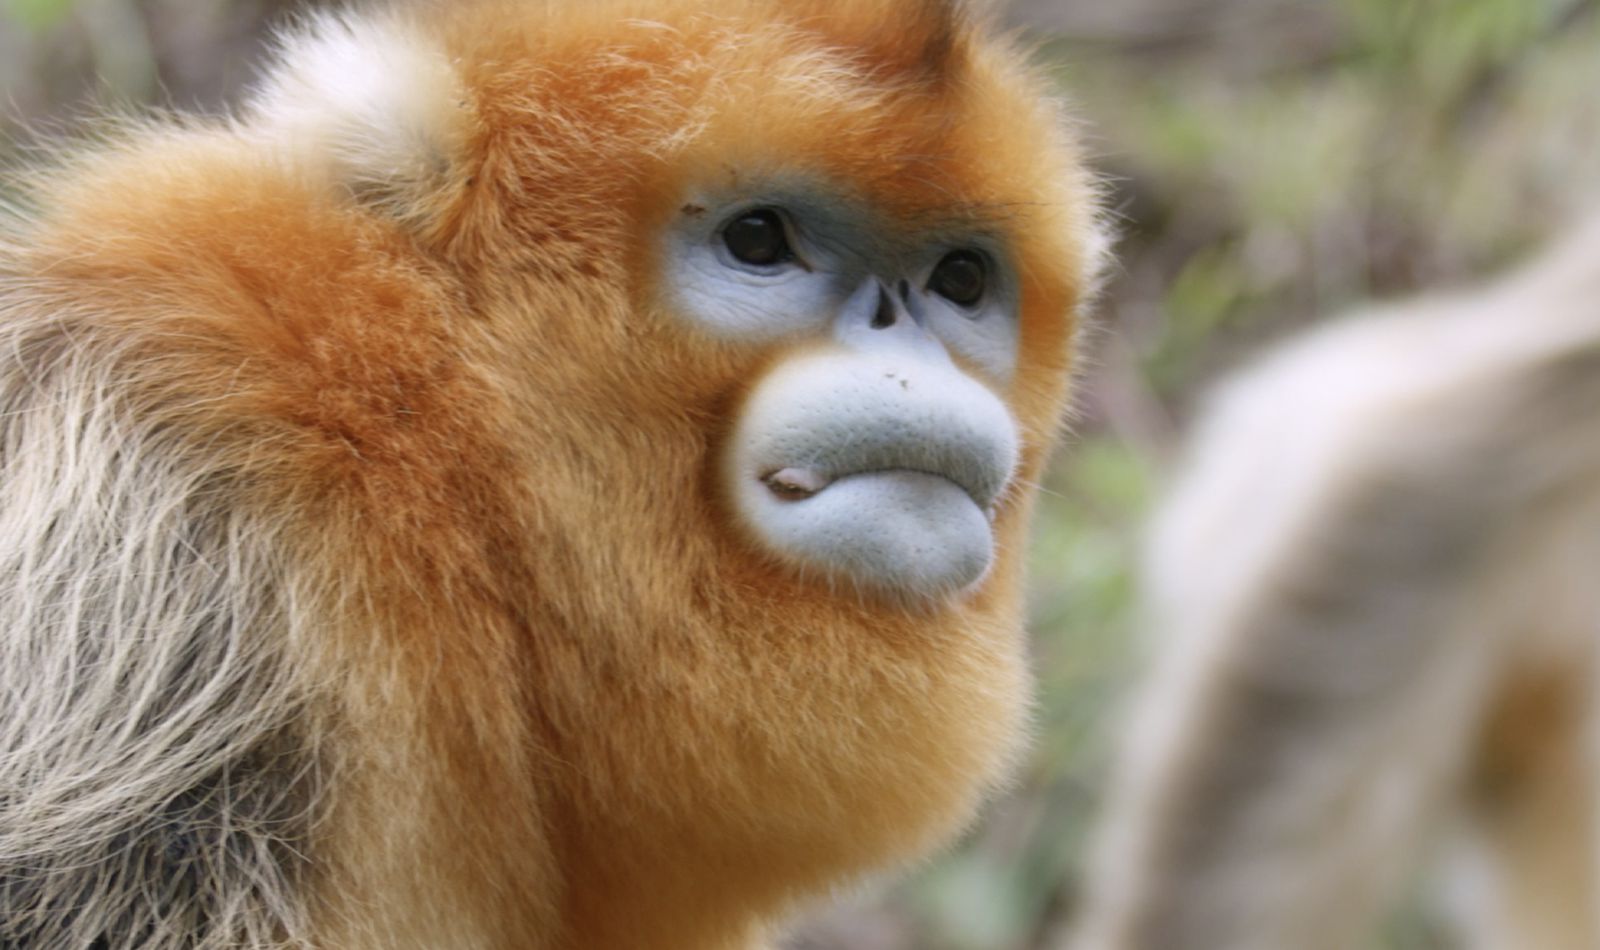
{"points": [[836, 246]]}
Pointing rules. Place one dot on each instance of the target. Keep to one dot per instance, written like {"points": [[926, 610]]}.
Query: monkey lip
{"points": [[912, 531], [796, 483]]}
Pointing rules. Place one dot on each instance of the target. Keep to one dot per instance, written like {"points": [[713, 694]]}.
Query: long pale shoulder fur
{"points": [[158, 767]]}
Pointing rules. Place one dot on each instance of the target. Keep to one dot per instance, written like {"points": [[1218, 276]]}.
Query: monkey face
{"points": [[868, 454]]}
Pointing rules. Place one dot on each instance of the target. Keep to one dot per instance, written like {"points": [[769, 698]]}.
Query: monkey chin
{"points": [[875, 470]]}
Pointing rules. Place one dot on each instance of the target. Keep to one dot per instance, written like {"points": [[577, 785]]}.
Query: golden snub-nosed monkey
{"points": [[542, 475], [1375, 589]]}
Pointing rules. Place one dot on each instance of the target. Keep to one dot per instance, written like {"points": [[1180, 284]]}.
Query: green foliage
{"points": [[38, 15], [1332, 154]]}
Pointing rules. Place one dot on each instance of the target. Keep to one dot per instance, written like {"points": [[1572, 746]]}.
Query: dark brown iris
{"points": [[960, 277], [757, 237]]}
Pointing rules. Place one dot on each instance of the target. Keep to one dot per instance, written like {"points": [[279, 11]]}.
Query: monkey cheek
{"points": [[900, 531]]}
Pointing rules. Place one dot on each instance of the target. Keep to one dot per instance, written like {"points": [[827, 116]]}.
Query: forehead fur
{"points": [[547, 140], [905, 101]]}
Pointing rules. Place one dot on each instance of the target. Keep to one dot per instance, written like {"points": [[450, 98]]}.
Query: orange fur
{"points": [[572, 706]]}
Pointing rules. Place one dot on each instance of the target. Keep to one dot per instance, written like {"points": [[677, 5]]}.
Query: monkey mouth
{"points": [[797, 483], [836, 468], [906, 530], [913, 514], [973, 457]]}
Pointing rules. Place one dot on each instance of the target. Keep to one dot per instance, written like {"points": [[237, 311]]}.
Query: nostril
{"points": [[905, 290], [884, 317]]}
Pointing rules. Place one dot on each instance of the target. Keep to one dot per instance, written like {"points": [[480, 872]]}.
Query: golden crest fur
{"points": [[365, 582]]}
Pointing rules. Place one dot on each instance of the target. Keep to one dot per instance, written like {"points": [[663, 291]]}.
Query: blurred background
{"points": [[1271, 163]]}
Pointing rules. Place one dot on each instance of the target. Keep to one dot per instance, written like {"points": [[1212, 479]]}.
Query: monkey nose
{"points": [[876, 318], [886, 314]]}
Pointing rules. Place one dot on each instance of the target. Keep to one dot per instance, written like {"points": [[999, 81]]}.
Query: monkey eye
{"points": [[758, 237], [960, 277]]}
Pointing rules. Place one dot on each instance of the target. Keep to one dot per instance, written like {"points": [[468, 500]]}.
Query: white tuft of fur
{"points": [[379, 103]]}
